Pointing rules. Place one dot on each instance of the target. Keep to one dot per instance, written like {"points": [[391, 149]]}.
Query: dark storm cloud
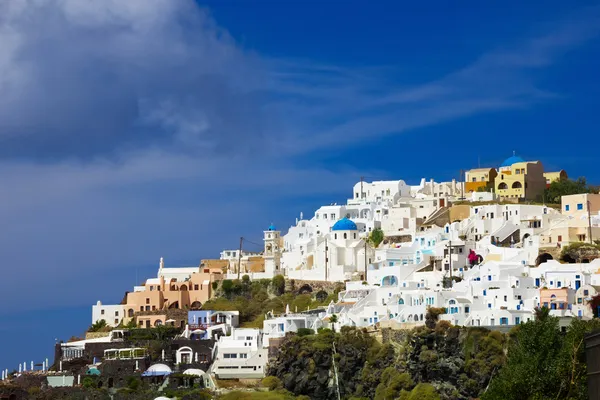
{"points": [[81, 79]]}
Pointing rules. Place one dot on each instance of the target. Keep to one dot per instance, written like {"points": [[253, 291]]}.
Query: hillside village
{"points": [[488, 251]]}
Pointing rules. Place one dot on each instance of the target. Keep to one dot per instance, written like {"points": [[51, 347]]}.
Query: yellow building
{"points": [[479, 178], [520, 180], [555, 176]]}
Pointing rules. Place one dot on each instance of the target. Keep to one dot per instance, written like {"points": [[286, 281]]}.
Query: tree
{"points": [[278, 283], [565, 187], [423, 391], [392, 382], [88, 382], [333, 319], [98, 326], [532, 366], [227, 286], [376, 237], [595, 305], [245, 280]]}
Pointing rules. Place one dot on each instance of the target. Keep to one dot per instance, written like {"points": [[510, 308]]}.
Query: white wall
{"points": [[112, 314]]}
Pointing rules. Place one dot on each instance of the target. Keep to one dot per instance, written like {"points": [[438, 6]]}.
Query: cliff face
{"points": [[457, 362]]}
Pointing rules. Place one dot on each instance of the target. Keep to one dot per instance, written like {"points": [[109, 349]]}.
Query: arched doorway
{"points": [[196, 305], [542, 258], [184, 355], [305, 289]]}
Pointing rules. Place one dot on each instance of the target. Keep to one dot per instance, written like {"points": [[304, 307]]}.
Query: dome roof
{"points": [[272, 227], [159, 368], [344, 224], [194, 371], [512, 160]]}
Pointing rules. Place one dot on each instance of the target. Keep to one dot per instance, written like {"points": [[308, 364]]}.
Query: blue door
{"points": [[577, 284], [537, 281]]}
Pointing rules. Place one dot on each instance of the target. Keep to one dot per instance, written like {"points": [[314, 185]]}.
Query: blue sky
{"points": [[148, 128]]}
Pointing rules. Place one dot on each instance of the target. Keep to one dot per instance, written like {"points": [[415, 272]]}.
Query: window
{"points": [[567, 207], [579, 300], [248, 337], [151, 288], [517, 320], [332, 216], [230, 355], [101, 312], [489, 305], [580, 206], [243, 355], [586, 292], [560, 238], [116, 313], [195, 287], [324, 216], [467, 309], [474, 179], [147, 300], [505, 298]]}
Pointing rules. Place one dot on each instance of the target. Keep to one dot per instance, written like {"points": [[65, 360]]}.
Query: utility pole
{"points": [[240, 257], [362, 178], [337, 383], [366, 259], [450, 258], [589, 205], [462, 184], [326, 259]]}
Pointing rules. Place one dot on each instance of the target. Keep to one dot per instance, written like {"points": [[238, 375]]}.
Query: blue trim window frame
{"points": [[567, 207], [580, 206]]}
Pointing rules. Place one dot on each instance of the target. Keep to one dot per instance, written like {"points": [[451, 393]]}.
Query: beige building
{"points": [[578, 204], [478, 178], [521, 180], [575, 224], [174, 288], [515, 180], [555, 176]]}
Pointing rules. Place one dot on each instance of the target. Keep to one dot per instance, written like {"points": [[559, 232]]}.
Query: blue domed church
{"points": [[338, 255]]}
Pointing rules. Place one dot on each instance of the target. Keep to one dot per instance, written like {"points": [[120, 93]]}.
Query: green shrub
{"points": [[305, 332], [272, 383]]}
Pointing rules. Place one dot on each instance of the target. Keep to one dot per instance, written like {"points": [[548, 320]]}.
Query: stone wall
{"points": [[394, 335], [298, 285], [96, 335]]}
